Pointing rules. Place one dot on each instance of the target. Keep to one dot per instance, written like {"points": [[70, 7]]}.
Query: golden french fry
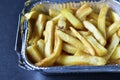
{"points": [[34, 53], [118, 32], [69, 48], [69, 32], [32, 15], [49, 32], [83, 11], [79, 53], [53, 12], [62, 23], [100, 50], [41, 46], [85, 33], [71, 40], [116, 53], [114, 16], [55, 19], [72, 19], [84, 41], [112, 46], [68, 60], [112, 29], [40, 24], [95, 32], [102, 20], [49, 61]]}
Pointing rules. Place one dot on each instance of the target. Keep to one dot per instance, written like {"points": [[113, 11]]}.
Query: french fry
{"points": [[71, 40], [85, 33], [32, 15], [114, 16], [40, 24], [49, 61], [102, 20], [67, 60], [49, 32], [112, 29], [73, 20], [116, 53], [55, 19], [112, 46], [118, 32], [83, 11], [79, 53], [94, 22], [84, 41], [62, 23], [41, 46], [34, 53], [100, 50], [69, 48], [95, 32], [53, 12]]}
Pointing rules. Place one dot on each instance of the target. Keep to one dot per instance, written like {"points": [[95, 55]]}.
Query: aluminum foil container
{"points": [[43, 6]]}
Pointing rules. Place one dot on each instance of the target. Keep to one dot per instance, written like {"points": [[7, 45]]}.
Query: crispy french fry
{"points": [[84, 41], [114, 16], [53, 12], [102, 20], [73, 20], [62, 23], [116, 53], [32, 15], [49, 32], [40, 24], [55, 19], [100, 50], [83, 11], [95, 32], [49, 61], [71, 40], [118, 32], [69, 32], [41, 46], [68, 60], [79, 53], [34, 53], [69, 48], [85, 33], [112, 29], [112, 46], [94, 16]]}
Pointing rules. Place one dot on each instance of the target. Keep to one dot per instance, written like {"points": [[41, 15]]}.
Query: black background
{"points": [[9, 69]]}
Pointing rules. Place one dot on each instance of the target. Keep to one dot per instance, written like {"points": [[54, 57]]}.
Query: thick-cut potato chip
{"points": [[68, 60], [49, 61], [41, 46], [71, 40], [32, 15], [112, 46], [102, 20], [116, 53], [95, 32], [84, 41], [100, 50], [69, 48], [49, 32], [34, 53], [83, 12], [112, 29], [114, 16], [73, 20]]}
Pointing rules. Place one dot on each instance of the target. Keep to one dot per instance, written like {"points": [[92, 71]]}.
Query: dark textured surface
{"points": [[9, 69]]}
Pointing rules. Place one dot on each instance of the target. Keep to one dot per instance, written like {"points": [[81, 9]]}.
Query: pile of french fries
{"points": [[71, 36]]}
